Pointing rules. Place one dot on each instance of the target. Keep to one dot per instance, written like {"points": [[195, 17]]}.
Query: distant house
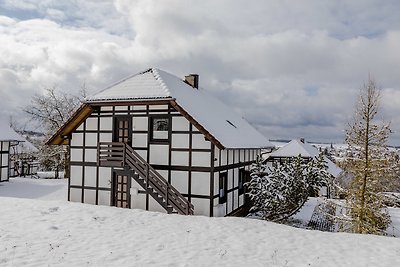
{"points": [[156, 142], [8, 138], [23, 160], [301, 148]]}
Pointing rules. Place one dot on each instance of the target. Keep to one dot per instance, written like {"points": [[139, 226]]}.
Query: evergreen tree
{"points": [[367, 138], [281, 191]]}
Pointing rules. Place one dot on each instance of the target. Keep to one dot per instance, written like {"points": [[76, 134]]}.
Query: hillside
{"points": [[55, 233]]}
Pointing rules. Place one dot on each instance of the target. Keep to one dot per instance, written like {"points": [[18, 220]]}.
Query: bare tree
{"points": [[367, 139], [51, 110]]}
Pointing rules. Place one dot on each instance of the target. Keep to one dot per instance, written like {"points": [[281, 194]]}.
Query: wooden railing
{"points": [[115, 154]]}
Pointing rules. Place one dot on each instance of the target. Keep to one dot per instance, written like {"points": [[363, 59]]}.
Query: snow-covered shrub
{"points": [[280, 191]]}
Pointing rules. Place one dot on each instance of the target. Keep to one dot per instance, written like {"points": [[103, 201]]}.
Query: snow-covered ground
{"points": [[58, 233], [46, 189]]}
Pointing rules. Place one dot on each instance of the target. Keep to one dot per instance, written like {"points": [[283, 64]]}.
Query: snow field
{"points": [[39, 233]]}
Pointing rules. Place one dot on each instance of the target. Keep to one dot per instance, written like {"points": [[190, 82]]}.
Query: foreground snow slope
{"points": [[39, 233]]}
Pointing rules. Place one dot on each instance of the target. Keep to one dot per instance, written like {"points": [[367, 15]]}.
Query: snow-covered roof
{"points": [[8, 134], [295, 148], [25, 147], [230, 129]]}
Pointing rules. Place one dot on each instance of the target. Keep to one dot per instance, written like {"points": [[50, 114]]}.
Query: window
{"points": [[242, 177], [159, 129], [223, 188]]}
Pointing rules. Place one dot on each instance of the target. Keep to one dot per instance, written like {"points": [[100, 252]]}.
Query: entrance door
{"points": [[123, 130], [121, 187]]}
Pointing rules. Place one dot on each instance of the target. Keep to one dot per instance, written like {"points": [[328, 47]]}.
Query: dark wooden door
{"points": [[123, 130], [121, 191]]}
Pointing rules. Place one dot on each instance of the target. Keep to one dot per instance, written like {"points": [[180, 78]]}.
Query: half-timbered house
{"points": [[156, 142], [8, 138]]}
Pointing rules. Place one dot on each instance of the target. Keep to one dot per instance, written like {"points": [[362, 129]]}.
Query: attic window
{"points": [[233, 125]]}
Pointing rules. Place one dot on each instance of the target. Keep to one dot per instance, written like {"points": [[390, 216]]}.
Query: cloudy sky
{"points": [[291, 68]]}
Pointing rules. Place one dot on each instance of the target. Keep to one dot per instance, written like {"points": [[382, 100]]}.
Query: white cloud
{"points": [[293, 68]]}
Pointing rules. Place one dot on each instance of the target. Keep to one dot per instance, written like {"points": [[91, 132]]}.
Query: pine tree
{"points": [[367, 138]]}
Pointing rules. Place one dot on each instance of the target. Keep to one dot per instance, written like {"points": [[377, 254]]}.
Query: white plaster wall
{"points": [[106, 123], [5, 146], [216, 156], [180, 124], [223, 157], [4, 174], [75, 194], [104, 198], [138, 107], [90, 176], [201, 159], [105, 177], [76, 175], [76, 154], [77, 139], [90, 196], [230, 157], [180, 158], [235, 202], [105, 137], [154, 107], [91, 123], [219, 210], [179, 180], [198, 142], [237, 155], [180, 141], [121, 107], [139, 140], [4, 161], [91, 139], [106, 108], [138, 201], [235, 177], [158, 154], [241, 155], [229, 200], [201, 183], [140, 123], [91, 155], [201, 206]]}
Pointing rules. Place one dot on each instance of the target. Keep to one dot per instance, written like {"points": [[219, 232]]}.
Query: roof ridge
{"points": [[118, 82]]}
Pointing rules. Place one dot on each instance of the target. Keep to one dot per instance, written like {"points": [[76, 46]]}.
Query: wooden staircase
{"points": [[115, 154]]}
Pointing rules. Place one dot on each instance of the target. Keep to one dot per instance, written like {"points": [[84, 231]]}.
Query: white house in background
{"points": [[299, 147], [8, 138], [23, 159], [156, 142]]}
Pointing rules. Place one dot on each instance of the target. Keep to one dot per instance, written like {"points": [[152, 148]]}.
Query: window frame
{"points": [[242, 178], [151, 129], [223, 187]]}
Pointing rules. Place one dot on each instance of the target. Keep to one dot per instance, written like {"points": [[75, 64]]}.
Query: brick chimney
{"points": [[192, 80]]}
